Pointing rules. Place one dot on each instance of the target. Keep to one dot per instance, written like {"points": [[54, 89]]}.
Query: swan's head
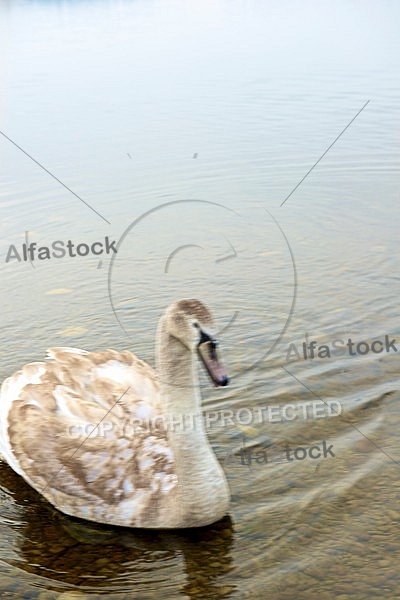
{"points": [[190, 321]]}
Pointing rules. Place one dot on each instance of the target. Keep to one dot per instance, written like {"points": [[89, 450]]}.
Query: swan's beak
{"points": [[207, 349]]}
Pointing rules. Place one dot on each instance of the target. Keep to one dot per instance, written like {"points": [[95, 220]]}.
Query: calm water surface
{"points": [[184, 126]]}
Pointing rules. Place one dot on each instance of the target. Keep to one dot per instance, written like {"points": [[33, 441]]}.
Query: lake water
{"points": [[183, 127]]}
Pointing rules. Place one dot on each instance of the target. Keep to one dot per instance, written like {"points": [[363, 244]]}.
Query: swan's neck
{"points": [[177, 369], [199, 473]]}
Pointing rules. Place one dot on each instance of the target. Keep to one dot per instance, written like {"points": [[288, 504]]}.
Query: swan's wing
{"points": [[47, 411]]}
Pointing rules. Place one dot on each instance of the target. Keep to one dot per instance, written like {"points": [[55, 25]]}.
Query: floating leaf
{"points": [[248, 430], [72, 331], [59, 291]]}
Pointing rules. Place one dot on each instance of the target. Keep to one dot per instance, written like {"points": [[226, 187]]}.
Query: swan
{"points": [[132, 472]]}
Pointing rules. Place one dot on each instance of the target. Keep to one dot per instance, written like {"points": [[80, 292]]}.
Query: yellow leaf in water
{"points": [[59, 291], [248, 430], [72, 331], [271, 253]]}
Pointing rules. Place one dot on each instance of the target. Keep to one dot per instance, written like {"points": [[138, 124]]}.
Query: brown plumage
{"points": [[127, 471]]}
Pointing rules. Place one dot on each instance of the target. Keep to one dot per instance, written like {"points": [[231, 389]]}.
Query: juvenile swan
{"points": [[148, 463]]}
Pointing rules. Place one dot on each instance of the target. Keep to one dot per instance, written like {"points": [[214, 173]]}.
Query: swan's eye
{"points": [[195, 324]]}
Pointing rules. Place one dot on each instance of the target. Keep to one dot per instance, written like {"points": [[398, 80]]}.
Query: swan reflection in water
{"points": [[65, 551]]}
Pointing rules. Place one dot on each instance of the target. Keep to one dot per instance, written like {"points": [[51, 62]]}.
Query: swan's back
{"points": [[121, 474]]}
